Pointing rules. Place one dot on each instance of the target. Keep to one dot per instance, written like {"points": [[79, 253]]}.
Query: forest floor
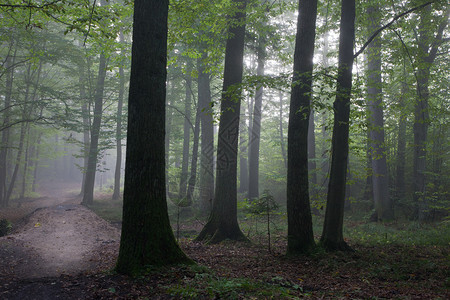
{"points": [[64, 251]]}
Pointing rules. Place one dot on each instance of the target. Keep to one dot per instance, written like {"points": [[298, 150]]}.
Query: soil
{"points": [[62, 250], [58, 238]]}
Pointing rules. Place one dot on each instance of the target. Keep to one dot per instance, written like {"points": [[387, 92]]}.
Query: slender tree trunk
{"points": [[86, 126], [253, 166], [36, 159], [187, 133], [9, 65], [312, 152], [147, 238], [193, 176], [380, 176], [300, 232], [17, 163], [25, 165], [282, 143], [243, 154], [332, 236], [88, 196], [116, 193], [207, 138], [222, 223]]}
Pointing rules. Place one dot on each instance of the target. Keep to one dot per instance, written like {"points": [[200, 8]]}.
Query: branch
{"points": [[374, 35], [25, 6], [438, 40]]}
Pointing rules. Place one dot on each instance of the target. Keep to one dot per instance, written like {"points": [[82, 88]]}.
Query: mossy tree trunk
{"points": [[147, 238]]}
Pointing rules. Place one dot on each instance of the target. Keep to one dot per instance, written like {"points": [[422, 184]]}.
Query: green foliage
{"points": [[204, 283], [5, 227]]}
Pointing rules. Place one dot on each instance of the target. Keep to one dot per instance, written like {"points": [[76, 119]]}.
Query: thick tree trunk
{"points": [[332, 236], [207, 139], [300, 232], [147, 238], [222, 223], [427, 46], [116, 193], [380, 176], [88, 196], [253, 158]]}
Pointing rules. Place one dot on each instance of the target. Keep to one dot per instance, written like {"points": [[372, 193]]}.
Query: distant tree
{"points": [[332, 237], [147, 238], [222, 223], [300, 232], [116, 193], [207, 137], [380, 176]]}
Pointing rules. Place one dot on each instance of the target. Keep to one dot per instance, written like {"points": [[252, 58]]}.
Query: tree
{"points": [[300, 233], [332, 237], [222, 223], [380, 176], [88, 196], [428, 45], [116, 193], [147, 238], [255, 137], [207, 137]]}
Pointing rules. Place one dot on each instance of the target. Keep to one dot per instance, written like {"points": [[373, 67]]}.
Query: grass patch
{"points": [[110, 210]]}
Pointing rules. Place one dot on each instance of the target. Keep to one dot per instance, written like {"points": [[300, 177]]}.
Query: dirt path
{"points": [[62, 239]]}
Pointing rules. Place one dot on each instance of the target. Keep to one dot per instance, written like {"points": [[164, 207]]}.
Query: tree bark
{"points": [[332, 236], [282, 143], [243, 154], [222, 223], [193, 174], [380, 176], [147, 238], [300, 232]]}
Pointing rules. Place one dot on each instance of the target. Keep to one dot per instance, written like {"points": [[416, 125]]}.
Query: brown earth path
{"points": [[59, 237]]}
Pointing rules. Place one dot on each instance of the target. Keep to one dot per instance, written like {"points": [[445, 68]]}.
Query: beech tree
{"points": [[300, 233], [222, 223], [332, 237], [380, 176], [147, 238]]}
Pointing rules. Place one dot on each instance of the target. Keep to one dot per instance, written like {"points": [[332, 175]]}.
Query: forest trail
{"points": [[59, 237]]}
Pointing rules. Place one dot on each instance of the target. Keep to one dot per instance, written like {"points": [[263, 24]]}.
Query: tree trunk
{"points": [[207, 139], [187, 133], [9, 65], [193, 175], [243, 154], [332, 237], [253, 164], [312, 152], [88, 196], [300, 232], [222, 223], [380, 176], [147, 238], [427, 46], [282, 143], [116, 193]]}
